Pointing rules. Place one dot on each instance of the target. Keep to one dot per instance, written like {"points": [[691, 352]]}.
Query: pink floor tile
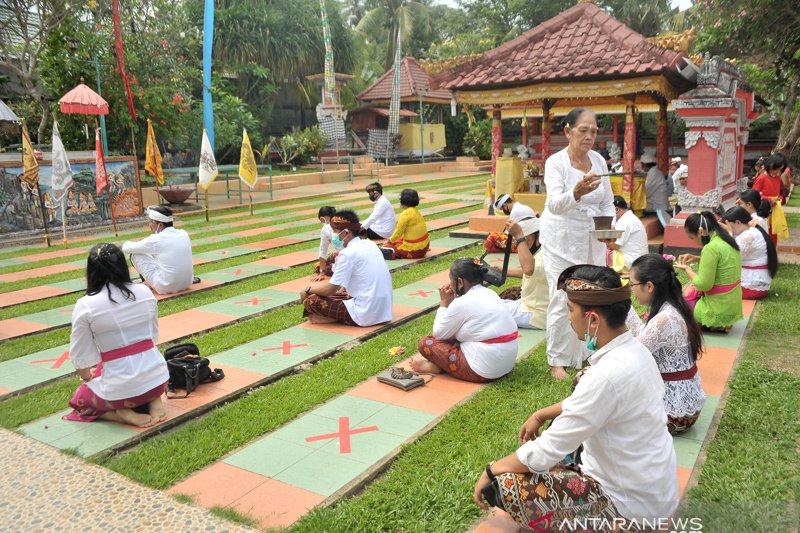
{"points": [[715, 367], [683, 478], [289, 260], [429, 400], [276, 504], [440, 278], [38, 272], [295, 285], [188, 322], [377, 391], [29, 295], [344, 329], [4, 391], [14, 327], [254, 231], [55, 253], [248, 222], [219, 484], [748, 306]]}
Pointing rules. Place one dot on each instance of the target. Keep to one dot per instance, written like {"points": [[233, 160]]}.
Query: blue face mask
{"points": [[337, 241]]}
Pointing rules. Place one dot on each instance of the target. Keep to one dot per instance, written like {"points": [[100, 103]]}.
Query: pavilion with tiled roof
{"points": [[581, 57], [414, 81]]}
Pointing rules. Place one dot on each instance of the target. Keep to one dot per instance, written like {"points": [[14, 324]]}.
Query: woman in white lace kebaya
{"points": [[672, 335], [759, 257]]}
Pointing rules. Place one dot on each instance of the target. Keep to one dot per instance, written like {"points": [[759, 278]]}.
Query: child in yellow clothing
{"points": [[410, 239]]}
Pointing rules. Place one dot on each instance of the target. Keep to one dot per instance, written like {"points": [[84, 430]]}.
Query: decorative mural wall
{"points": [[20, 208]]}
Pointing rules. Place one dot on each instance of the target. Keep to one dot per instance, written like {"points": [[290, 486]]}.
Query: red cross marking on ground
{"points": [[214, 239], [286, 347], [343, 434], [57, 362], [65, 310], [254, 301], [497, 260], [238, 271], [223, 252], [421, 293]]}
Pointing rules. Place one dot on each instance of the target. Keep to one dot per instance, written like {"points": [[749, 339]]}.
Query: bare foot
{"points": [[422, 365], [319, 319], [559, 373], [157, 412], [129, 416]]}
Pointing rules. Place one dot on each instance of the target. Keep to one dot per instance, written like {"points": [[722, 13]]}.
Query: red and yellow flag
{"points": [[152, 158], [100, 176], [30, 166]]}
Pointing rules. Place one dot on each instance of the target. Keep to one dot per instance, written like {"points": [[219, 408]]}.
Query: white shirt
{"points": [[681, 171], [326, 246], [617, 412], [382, 220], [633, 242], [479, 315], [362, 271], [667, 338], [655, 186], [171, 249], [760, 221], [535, 296], [520, 211], [566, 222], [100, 325], [754, 253]]}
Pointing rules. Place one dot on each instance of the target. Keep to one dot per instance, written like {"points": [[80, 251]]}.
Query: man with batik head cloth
{"points": [[164, 259], [360, 291]]}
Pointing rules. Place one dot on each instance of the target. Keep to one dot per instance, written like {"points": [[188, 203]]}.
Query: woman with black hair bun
{"points": [[474, 336], [112, 345], [759, 257], [758, 209], [715, 292], [672, 335]]}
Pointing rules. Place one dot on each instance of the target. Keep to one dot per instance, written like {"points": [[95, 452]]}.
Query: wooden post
{"points": [[206, 205], [64, 218], [44, 216]]}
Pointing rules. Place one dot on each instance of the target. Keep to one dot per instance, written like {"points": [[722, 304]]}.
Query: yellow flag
{"points": [[247, 162], [30, 167], [152, 158]]}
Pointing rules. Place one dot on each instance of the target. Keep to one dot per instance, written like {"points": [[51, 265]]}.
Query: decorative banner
{"points": [[247, 162], [394, 104], [121, 59], [329, 90], [100, 176], [152, 158], [208, 171], [30, 166], [208, 48], [62, 171]]}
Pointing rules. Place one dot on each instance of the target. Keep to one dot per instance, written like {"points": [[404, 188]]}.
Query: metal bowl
{"points": [[607, 234]]}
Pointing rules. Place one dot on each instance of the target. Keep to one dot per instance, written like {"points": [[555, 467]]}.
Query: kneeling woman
{"points": [[410, 239], [759, 257], [672, 335], [715, 292], [616, 411], [474, 335], [112, 346]]}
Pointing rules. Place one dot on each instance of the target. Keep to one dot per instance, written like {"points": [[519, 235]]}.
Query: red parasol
{"points": [[84, 101]]}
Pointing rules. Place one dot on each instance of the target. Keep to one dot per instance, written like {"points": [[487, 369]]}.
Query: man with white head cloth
{"points": [[164, 259]]}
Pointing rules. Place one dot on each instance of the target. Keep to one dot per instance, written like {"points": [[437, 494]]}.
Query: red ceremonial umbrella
{"points": [[83, 101]]}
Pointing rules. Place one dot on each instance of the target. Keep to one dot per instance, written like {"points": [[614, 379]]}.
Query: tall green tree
{"points": [[764, 35], [382, 22], [649, 17]]}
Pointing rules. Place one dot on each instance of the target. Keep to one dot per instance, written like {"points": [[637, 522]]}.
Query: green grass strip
{"points": [[750, 480]]}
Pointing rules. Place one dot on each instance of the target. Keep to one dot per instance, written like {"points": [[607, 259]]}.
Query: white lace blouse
{"points": [[754, 253], [667, 338]]}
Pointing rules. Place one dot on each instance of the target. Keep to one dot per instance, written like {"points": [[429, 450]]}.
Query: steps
{"points": [[468, 164]]}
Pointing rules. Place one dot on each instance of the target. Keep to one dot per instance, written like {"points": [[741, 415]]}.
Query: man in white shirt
{"points": [[513, 210], [164, 259], [360, 291], [656, 187], [381, 222], [633, 243]]}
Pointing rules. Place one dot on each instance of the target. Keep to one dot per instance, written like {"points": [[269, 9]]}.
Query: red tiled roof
{"points": [[412, 79], [582, 42]]}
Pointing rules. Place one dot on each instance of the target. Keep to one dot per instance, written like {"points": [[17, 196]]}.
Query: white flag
{"points": [[208, 171], [61, 171]]}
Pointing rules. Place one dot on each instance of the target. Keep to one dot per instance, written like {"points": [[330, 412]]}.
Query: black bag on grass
{"points": [[187, 370]]}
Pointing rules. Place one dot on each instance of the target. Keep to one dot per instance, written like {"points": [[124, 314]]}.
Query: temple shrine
{"points": [[584, 57]]}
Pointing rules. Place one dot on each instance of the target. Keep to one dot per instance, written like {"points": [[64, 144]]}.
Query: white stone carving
{"points": [[741, 185], [709, 200], [691, 138], [712, 138], [702, 123]]}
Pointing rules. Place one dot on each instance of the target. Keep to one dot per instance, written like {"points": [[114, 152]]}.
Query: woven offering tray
{"points": [[607, 234]]}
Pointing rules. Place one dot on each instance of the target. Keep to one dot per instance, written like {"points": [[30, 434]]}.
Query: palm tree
{"points": [[382, 23]]}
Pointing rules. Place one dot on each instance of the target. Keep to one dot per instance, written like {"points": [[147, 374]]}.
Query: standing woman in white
{"points": [[577, 190]]}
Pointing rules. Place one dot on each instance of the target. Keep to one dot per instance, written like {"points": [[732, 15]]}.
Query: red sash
{"points": [[502, 338], [681, 375], [125, 351], [757, 267]]}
